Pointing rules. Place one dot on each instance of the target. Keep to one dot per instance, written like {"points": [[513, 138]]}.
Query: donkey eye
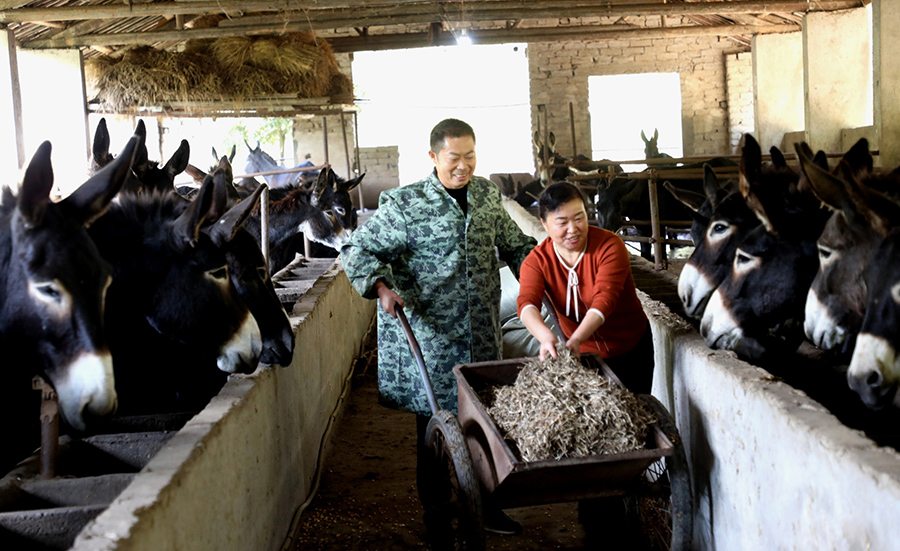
{"points": [[340, 210], [824, 253], [719, 227], [219, 273], [51, 291], [744, 262], [329, 214]]}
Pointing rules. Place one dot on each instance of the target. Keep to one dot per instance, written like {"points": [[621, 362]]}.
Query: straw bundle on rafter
{"points": [[234, 69], [558, 408]]}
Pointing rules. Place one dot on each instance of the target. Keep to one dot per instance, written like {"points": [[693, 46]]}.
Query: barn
{"points": [[779, 450]]}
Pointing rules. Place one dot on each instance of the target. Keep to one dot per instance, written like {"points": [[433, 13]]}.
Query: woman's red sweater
{"points": [[605, 284]]}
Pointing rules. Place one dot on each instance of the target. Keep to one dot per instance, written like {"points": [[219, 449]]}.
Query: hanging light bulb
{"points": [[463, 39]]}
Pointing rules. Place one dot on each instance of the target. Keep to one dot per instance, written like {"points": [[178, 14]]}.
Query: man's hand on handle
{"points": [[388, 298]]}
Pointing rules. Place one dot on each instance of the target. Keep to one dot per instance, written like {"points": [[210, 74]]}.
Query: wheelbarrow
{"points": [[474, 458]]}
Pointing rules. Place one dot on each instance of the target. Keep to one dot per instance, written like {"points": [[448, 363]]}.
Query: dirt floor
{"points": [[367, 497]]}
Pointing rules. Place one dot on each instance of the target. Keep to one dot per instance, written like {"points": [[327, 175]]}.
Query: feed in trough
{"points": [[558, 408]]}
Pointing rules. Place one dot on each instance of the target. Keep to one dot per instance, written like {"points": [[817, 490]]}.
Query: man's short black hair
{"points": [[557, 195], [449, 128]]}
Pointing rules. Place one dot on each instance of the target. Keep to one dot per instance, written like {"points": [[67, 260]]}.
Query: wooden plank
{"points": [[412, 40]]}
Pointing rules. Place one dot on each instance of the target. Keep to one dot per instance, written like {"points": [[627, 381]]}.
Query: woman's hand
{"points": [[388, 298], [574, 346], [548, 347]]}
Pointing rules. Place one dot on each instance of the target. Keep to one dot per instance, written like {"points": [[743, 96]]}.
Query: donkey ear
{"points": [[552, 141], [195, 173], [536, 139], [179, 160], [711, 185], [187, 225], [321, 186], [90, 200], [690, 199], [231, 155], [759, 210], [34, 193], [777, 157], [656, 133], [100, 147], [350, 184], [643, 137], [880, 210], [829, 189], [751, 163], [858, 158], [226, 227]]}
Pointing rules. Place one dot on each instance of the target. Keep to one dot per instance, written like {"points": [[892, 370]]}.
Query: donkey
{"points": [[835, 304], [171, 311], [247, 267], [757, 310], [53, 285], [147, 174], [324, 215], [874, 371], [629, 198], [651, 147]]}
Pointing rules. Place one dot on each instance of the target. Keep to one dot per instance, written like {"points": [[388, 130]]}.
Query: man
{"points": [[432, 247]]}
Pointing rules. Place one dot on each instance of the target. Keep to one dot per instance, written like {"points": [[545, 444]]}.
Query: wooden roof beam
{"points": [[484, 10]]}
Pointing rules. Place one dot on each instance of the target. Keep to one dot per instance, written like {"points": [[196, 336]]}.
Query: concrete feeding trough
{"points": [[129, 472]]}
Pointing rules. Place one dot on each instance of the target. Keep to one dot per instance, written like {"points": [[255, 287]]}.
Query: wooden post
{"points": [[325, 137], [654, 223], [359, 188], [346, 146], [545, 137], [572, 129]]}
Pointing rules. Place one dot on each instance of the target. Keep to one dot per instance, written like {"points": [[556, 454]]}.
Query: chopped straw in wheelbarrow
{"points": [[558, 408]]}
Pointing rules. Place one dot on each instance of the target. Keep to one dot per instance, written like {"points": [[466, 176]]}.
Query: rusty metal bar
{"points": [[49, 427]]}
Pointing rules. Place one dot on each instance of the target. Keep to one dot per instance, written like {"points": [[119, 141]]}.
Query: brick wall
{"points": [[381, 165], [739, 86], [559, 74]]}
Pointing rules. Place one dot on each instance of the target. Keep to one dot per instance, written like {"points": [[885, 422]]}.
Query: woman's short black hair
{"points": [[557, 195], [449, 128]]}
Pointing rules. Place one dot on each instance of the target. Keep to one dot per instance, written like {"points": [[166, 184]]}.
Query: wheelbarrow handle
{"points": [[420, 360]]}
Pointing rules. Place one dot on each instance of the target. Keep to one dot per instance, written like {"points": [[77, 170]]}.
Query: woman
{"points": [[586, 272]]}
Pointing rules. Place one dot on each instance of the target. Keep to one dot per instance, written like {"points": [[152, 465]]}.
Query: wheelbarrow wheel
{"points": [[453, 508], [663, 504]]}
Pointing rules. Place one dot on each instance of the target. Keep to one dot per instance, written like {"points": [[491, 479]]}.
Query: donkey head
{"points": [[334, 218], [758, 308], [248, 271], [835, 304], [651, 149], [55, 283], [874, 371]]}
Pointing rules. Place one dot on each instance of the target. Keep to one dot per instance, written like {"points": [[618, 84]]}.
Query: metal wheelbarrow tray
{"points": [[515, 483]]}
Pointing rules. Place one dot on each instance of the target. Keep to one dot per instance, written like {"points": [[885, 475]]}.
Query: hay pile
{"points": [[224, 69], [558, 408]]}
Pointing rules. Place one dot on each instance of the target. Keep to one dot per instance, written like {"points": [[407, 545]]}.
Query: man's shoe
{"points": [[498, 522]]}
